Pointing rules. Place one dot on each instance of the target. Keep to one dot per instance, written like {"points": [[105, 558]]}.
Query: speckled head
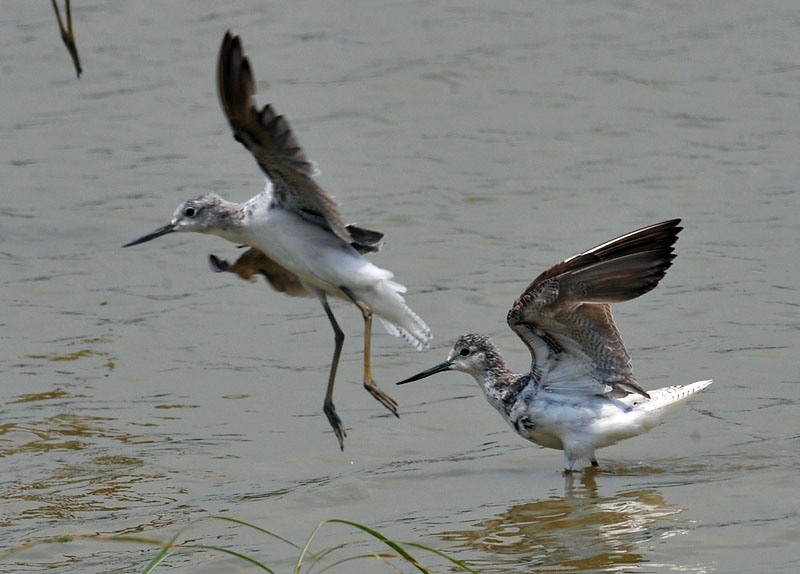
{"points": [[207, 213], [472, 354]]}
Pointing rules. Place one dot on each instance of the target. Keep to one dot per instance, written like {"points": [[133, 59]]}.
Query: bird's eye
{"points": [[464, 352], [189, 212]]}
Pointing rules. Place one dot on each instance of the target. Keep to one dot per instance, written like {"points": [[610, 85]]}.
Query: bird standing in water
{"points": [[580, 394], [298, 239]]}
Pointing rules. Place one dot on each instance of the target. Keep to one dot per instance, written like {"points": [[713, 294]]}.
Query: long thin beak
{"points": [[168, 228], [432, 371]]}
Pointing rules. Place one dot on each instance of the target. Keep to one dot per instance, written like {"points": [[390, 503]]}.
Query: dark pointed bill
{"points": [[168, 228], [427, 373]]}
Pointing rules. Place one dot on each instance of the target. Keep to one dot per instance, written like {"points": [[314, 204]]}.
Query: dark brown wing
{"points": [[365, 240], [253, 262], [269, 138], [564, 316]]}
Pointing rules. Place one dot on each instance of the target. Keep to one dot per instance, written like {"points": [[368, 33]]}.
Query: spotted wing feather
{"points": [[566, 311], [270, 139]]}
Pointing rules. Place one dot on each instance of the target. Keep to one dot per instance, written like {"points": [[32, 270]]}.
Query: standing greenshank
{"points": [[580, 394], [298, 239]]}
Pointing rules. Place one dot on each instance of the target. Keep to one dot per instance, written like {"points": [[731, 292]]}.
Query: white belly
{"points": [[598, 422], [318, 257], [325, 263]]}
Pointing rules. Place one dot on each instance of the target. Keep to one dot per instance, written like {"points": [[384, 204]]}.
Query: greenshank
{"points": [[580, 394], [298, 239]]}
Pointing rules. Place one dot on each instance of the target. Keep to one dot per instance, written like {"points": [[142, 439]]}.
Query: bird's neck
{"points": [[495, 378], [233, 220]]}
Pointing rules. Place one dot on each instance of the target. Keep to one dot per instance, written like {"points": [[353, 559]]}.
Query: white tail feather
{"points": [[666, 398], [397, 317]]}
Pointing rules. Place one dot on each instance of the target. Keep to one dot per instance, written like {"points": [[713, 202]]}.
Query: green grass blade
{"points": [[165, 550], [382, 557], [391, 543], [256, 527], [305, 547], [458, 563], [239, 555], [169, 547], [323, 553]]}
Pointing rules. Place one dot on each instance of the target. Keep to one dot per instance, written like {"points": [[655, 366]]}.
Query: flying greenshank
{"points": [[298, 239]]}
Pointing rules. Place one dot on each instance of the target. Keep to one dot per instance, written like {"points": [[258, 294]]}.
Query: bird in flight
{"points": [[298, 239]]}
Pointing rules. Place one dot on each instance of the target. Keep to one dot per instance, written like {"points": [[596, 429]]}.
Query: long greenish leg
{"points": [[327, 406], [369, 383]]}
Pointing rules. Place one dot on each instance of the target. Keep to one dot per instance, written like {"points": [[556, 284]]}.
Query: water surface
{"points": [[488, 141]]}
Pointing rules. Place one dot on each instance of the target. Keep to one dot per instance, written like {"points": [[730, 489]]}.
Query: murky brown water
{"points": [[488, 141]]}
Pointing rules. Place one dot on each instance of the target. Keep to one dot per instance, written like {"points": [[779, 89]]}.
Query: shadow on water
{"points": [[579, 531]]}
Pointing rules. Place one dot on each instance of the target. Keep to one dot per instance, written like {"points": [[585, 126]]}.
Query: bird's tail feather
{"points": [[668, 397], [397, 317]]}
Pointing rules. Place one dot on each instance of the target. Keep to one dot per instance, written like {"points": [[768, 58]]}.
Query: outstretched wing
{"points": [[564, 316], [269, 138]]}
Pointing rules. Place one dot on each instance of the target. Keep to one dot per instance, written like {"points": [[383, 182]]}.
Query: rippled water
{"points": [[488, 141]]}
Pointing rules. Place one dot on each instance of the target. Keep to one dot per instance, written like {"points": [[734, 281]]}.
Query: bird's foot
{"points": [[330, 411], [381, 397]]}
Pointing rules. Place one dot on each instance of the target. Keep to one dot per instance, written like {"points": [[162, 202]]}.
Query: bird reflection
{"points": [[581, 530]]}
